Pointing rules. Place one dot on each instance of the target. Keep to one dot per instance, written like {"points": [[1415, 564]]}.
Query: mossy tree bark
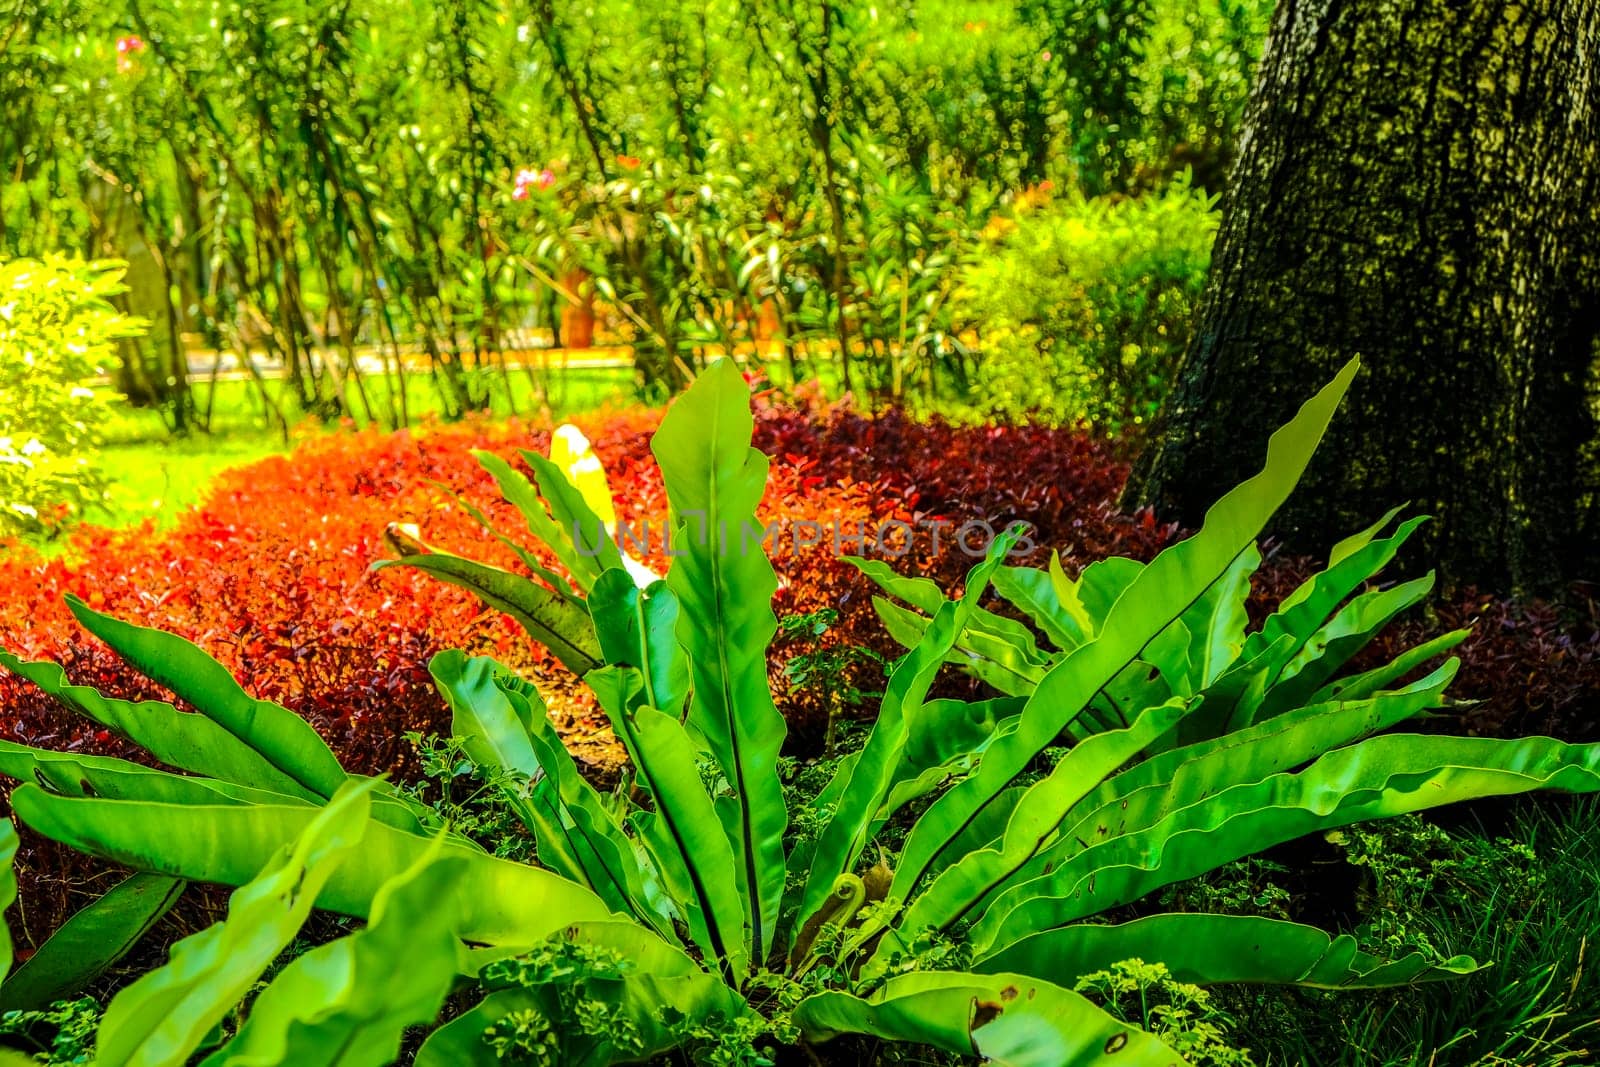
{"points": [[1418, 184]]}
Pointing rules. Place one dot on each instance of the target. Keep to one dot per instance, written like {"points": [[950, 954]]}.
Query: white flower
{"points": [[33, 447], [578, 456]]}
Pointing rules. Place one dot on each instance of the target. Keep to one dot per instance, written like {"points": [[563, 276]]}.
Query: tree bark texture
{"points": [[1418, 184]]}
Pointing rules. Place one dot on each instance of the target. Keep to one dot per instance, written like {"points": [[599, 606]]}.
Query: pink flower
{"points": [[126, 49], [1045, 56], [528, 180]]}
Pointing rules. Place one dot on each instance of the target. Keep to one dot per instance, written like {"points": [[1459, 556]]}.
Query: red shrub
{"points": [[271, 575], [1528, 667]]}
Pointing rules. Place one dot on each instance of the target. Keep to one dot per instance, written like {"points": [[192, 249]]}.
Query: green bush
{"points": [[57, 328], [1084, 307]]}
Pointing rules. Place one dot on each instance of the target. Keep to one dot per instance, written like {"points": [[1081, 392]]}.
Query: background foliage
{"points": [[1085, 306], [57, 328], [435, 184]]}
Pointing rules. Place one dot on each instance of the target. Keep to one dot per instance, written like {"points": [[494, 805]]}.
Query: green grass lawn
{"points": [[159, 479], [237, 406], [157, 474]]}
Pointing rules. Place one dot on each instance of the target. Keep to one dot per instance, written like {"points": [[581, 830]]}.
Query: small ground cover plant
{"points": [[680, 911], [1517, 883]]}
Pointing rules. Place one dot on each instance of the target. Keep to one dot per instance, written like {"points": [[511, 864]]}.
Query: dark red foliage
{"points": [[1533, 668], [271, 575], [933, 475], [1528, 667]]}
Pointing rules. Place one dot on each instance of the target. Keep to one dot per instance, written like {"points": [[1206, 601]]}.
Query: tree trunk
{"points": [[1418, 184]]}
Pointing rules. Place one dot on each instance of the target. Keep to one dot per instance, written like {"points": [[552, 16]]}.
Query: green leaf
{"points": [[1000, 651], [1160, 594], [402, 537], [92, 940], [1013, 668], [1071, 602], [1394, 774], [1034, 593], [611, 862], [1354, 543], [866, 783], [1214, 627], [497, 739], [1360, 686], [1211, 949], [496, 901], [1101, 585], [1143, 795], [1346, 634], [1291, 629], [76, 775], [724, 583], [281, 737], [942, 730], [686, 837], [591, 542], [179, 739], [549, 618], [923, 594], [1035, 818], [521, 494], [348, 1003], [492, 733], [8, 889], [1008, 1019], [164, 1016], [638, 628]]}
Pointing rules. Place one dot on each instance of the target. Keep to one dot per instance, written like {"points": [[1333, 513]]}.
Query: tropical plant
{"points": [[1228, 679], [71, 1026], [681, 911]]}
